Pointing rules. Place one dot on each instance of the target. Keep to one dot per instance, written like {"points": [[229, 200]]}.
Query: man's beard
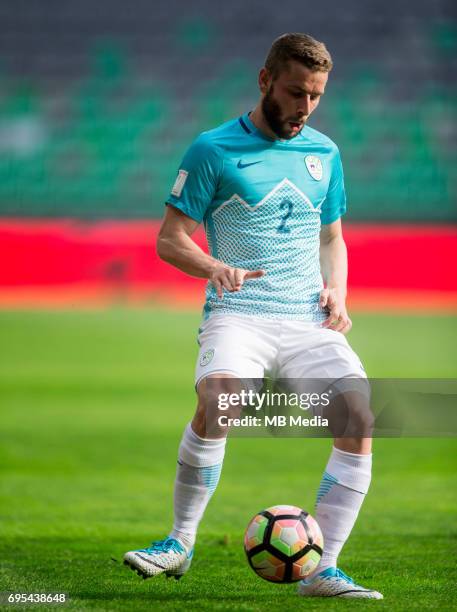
{"points": [[272, 114]]}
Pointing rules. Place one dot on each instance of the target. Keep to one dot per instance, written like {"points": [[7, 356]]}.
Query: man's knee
{"points": [[361, 420], [213, 392], [350, 416]]}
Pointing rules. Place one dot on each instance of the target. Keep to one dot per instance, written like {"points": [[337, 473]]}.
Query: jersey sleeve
{"points": [[334, 205], [198, 178]]}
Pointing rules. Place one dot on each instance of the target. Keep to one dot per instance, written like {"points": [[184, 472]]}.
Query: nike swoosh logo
{"points": [[240, 165], [351, 591], [150, 562]]}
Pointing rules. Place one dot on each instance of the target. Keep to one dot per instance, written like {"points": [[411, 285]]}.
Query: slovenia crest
{"points": [[314, 166], [207, 357]]}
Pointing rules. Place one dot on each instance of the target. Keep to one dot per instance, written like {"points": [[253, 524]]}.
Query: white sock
{"points": [[343, 488], [197, 475]]}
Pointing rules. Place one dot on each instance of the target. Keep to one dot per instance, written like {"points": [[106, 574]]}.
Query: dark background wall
{"points": [[99, 100]]}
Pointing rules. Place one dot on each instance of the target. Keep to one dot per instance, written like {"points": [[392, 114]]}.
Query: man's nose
{"points": [[304, 107]]}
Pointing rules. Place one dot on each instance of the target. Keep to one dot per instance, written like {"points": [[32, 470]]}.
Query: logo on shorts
{"points": [[206, 357], [314, 166]]}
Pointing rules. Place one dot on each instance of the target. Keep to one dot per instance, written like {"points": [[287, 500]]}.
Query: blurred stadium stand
{"points": [[99, 100]]}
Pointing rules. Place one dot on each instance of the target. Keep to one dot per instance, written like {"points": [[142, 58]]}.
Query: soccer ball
{"points": [[283, 544]]}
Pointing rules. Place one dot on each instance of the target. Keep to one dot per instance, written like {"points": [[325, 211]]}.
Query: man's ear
{"points": [[264, 80]]}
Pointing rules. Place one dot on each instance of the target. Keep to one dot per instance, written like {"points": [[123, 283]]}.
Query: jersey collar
{"points": [[250, 128]]}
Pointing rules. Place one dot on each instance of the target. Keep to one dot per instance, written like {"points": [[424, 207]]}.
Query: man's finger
{"points": [[324, 298], [327, 322], [332, 319], [238, 279], [347, 326], [226, 282], [250, 274], [346, 329], [340, 325], [217, 285], [344, 324], [230, 279], [335, 317]]}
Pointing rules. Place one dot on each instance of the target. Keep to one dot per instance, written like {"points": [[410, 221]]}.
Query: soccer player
{"points": [[270, 192]]}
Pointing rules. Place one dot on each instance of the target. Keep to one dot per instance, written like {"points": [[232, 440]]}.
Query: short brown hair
{"points": [[300, 47]]}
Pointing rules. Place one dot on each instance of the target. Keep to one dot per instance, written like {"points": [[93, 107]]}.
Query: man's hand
{"points": [[338, 319], [231, 279]]}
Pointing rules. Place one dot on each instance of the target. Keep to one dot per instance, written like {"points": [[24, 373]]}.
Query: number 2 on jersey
{"points": [[288, 205]]}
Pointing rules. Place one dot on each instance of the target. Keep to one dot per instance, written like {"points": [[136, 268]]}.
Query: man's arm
{"points": [[334, 269], [176, 247]]}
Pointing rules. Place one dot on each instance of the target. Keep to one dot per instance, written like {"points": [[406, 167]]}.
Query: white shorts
{"points": [[253, 347]]}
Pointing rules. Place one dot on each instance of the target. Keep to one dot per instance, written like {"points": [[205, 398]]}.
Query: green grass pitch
{"points": [[92, 410]]}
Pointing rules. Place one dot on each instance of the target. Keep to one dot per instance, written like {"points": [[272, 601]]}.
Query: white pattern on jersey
{"points": [[280, 235]]}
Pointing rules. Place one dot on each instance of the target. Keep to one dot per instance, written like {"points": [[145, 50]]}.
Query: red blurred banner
{"points": [[69, 262]]}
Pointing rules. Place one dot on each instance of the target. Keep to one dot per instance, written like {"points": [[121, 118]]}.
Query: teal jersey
{"points": [[262, 202]]}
